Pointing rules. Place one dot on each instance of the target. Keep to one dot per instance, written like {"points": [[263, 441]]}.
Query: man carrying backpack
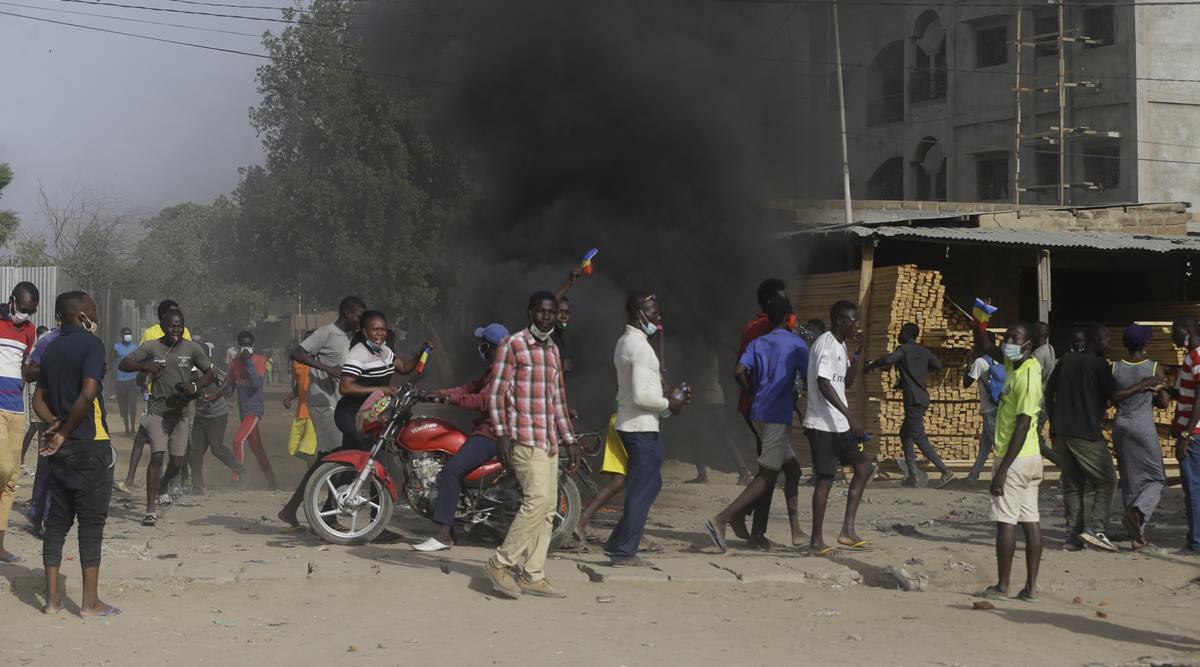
{"points": [[989, 374]]}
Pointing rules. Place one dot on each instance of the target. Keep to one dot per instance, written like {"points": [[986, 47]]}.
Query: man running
{"points": [[16, 342], [914, 361], [168, 363], [324, 351], [834, 432], [246, 373], [208, 432], [528, 407], [70, 396], [769, 369]]}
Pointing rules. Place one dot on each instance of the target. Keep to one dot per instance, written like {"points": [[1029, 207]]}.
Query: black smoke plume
{"points": [[648, 129]]}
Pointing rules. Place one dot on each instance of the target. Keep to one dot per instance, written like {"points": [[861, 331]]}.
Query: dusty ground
{"points": [[217, 581]]}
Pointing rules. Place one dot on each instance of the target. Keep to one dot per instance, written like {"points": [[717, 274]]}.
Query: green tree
{"points": [[30, 251], [352, 197], [8, 219], [185, 255]]}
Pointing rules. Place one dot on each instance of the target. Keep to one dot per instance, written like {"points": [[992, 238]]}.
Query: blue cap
{"points": [[492, 333]]}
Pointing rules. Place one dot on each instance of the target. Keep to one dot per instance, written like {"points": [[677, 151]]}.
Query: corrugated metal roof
{"points": [[1041, 238], [825, 217]]}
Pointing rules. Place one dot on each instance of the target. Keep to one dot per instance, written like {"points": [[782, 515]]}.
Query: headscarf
{"points": [[1137, 336]]}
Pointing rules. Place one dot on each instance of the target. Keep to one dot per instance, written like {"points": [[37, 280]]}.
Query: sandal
{"points": [[150, 519]]}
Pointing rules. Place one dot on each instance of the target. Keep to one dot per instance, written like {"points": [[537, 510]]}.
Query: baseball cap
{"points": [[492, 333]]}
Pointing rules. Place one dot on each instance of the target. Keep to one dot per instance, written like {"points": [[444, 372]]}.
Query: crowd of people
{"points": [[788, 372]]}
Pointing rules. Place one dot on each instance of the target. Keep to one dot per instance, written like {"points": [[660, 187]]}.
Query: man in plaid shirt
{"points": [[528, 406]]}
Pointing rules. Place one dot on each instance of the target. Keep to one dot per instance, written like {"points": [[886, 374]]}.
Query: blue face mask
{"points": [[372, 346], [1012, 351]]}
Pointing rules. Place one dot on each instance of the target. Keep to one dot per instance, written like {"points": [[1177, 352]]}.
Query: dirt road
{"points": [[217, 582]]}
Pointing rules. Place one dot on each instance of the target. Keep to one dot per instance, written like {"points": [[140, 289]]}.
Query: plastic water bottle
{"points": [[681, 393]]}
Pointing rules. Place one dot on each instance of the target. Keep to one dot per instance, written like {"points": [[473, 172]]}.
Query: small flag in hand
{"points": [[423, 358], [983, 312], [585, 267]]}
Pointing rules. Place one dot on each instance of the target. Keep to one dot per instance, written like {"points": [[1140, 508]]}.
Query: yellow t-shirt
{"points": [[1022, 395], [155, 332]]}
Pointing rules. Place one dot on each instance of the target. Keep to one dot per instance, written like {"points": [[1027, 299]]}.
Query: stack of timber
{"points": [[905, 293]]}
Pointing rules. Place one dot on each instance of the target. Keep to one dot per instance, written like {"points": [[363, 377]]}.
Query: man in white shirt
{"points": [[981, 372], [834, 432], [641, 397]]}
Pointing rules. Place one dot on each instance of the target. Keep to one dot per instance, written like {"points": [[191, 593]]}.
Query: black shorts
{"points": [[832, 450]]}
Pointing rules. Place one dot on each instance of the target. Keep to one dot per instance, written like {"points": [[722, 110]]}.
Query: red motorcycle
{"points": [[350, 497]]}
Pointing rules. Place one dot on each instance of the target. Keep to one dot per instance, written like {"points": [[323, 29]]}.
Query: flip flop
{"points": [[715, 536], [990, 593], [823, 551], [112, 611], [151, 519], [1130, 522], [298, 528], [12, 559], [860, 545]]}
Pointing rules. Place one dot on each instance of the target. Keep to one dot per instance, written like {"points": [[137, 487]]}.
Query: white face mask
{"points": [[128, 338], [543, 336], [15, 315], [247, 349]]}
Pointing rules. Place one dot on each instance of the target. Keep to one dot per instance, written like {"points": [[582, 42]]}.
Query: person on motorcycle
{"points": [[528, 406], [478, 449], [370, 366]]}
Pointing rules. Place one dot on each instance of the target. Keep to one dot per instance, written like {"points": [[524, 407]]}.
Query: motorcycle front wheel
{"points": [[339, 519]]}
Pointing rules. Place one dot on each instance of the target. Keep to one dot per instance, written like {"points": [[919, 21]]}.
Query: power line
{"points": [[267, 19], [957, 3], [207, 47], [130, 19]]}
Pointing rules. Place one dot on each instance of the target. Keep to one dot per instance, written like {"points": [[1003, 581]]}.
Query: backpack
{"points": [[996, 377]]}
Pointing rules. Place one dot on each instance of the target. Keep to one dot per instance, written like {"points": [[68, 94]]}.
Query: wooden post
{"points": [[865, 276], [1043, 281]]}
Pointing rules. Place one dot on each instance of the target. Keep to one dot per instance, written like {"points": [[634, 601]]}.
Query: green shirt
{"points": [[178, 361], [1022, 395]]}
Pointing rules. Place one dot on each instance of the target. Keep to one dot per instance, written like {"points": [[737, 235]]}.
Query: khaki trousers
{"points": [[528, 538], [12, 432]]}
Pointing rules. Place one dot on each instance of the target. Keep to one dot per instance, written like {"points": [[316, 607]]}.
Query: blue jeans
{"points": [[987, 440], [476, 451], [643, 481], [1189, 474]]}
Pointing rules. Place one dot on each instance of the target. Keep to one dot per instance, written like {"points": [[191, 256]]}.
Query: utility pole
{"points": [[1059, 134], [837, 45]]}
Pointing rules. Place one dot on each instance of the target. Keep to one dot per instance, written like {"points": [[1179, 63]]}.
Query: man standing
{"points": [[1043, 351], [16, 342], [127, 388], [640, 398], [528, 407], [914, 361], [1017, 471], [769, 368], [71, 398], [834, 433], [168, 362], [1077, 397], [1186, 428], [324, 351]]}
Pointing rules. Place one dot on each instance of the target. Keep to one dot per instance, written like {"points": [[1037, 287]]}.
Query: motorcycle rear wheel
{"points": [[566, 511], [332, 519]]}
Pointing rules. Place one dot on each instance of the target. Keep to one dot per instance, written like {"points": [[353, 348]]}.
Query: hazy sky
{"points": [[144, 123]]}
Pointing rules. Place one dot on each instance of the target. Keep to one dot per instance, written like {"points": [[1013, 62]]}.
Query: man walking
{"points": [[640, 399], [990, 377], [528, 407], [770, 367], [1186, 428], [127, 388], [1077, 397], [1017, 471], [834, 433], [914, 361], [70, 396], [324, 351], [16, 342]]}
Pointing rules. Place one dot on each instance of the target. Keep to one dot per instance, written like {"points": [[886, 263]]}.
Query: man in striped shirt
{"points": [[528, 407], [16, 342], [1186, 429]]}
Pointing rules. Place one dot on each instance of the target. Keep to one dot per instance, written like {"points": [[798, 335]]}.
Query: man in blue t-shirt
{"points": [[128, 395], [70, 397], [768, 371]]}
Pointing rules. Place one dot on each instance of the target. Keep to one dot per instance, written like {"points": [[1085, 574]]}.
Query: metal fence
{"points": [[115, 311]]}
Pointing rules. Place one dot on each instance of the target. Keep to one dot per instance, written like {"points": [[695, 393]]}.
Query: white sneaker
{"points": [[164, 499], [431, 544]]}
